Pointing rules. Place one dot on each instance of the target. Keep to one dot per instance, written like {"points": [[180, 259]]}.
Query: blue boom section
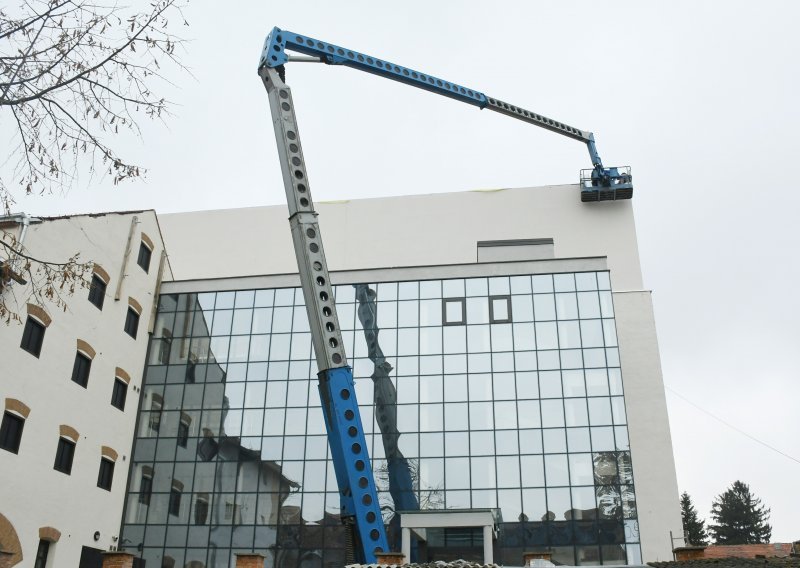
{"points": [[351, 463], [278, 41], [600, 184]]}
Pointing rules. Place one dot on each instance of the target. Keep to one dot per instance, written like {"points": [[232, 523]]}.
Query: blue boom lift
{"points": [[360, 510]]}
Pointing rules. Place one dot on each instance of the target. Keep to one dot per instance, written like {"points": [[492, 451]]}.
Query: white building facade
{"points": [[70, 384], [518, 373]]}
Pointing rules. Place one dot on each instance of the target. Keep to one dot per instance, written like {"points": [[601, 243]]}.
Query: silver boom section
{"points": [[311, 263]]}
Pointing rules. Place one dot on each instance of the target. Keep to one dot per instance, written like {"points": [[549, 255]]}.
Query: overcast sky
{"points": [[700, 98]]}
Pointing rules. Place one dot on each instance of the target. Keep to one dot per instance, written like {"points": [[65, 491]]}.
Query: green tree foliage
{"points": [[694, 529], [739, 517]]}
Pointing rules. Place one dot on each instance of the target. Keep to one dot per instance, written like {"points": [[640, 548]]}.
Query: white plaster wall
{"points": [[405, 231], [32, 493], [648, 425]]}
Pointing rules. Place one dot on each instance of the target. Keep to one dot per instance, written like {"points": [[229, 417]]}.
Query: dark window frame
{"points": [[492, 318], [105, 477], [65, 455], [119, 394], [183, 433], [81, 369], [145, 256], [145, 489], [463, 302], [175, 496], [132, 322], [42, 552], [33, 336], [97, 292], [11, 432]]}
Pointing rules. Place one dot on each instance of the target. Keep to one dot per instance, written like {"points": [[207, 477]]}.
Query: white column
{"points": [[488, 549], [405, 544]]}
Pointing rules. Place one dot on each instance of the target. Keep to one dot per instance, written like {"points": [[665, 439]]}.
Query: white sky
{"points": [[700, 98]]}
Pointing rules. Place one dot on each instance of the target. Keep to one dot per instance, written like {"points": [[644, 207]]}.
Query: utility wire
{"points": [[731, 426]]}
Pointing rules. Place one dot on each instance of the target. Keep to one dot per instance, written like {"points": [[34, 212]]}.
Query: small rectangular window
{"points": [[145, 490], [32, 337], [132, 323], [454, 311], [164, 346], [11, 432], [119, 394], [500, 309], [200, 511], [80, 369], [97, 291], [175, 502], [41, 554], [155, 415], [64, 455], [183, 434], [106, 475], [144, 257]]}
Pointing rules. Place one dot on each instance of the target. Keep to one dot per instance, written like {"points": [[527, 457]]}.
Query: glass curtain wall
{"points": [[502, 393]]}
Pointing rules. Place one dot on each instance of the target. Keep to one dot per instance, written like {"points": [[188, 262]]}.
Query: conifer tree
{"points": [[739, 517], [694, 529]]}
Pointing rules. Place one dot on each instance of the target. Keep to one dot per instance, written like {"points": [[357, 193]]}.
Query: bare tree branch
{"points": [[73, 73]]}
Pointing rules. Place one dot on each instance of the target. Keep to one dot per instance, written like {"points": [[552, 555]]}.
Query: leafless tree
{"points": [[40, 281], [73, 74]]}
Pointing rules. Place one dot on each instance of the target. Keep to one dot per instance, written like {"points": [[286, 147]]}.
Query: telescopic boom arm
{"points": [[357, 491], [597, 184]]}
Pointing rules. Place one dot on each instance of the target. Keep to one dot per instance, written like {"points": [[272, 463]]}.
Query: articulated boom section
{"points": [[600, 184], [359, 499]]}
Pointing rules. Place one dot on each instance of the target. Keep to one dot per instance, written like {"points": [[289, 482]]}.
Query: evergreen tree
{"points": [[694, 529], [740, 517]]}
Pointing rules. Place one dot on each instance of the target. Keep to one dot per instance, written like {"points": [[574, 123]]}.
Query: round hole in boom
{"points": [[356, 448], [276, 47], [296, 161], [298, 174], [326, 311], [298, 39], [371, 516], [360, 465], [363, 482], [322, 295], [293, 147], [374, 534], [285, 106], [320, 281], [349, 414], [311, 233], [301, 188], [303, 202], [333, 342], [340, 51], [367, 499], [330, 327], [313, 247], [317, 265], [291, 135], [284, 94], [344, 393], [353, 431], [279, 39], [336, 358]]}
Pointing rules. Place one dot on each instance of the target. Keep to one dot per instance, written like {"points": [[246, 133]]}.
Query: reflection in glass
{"points": [[527, 416]]}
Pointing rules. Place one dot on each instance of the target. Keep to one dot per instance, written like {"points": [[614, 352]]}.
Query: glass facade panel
{"points": [[500, 392]]}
